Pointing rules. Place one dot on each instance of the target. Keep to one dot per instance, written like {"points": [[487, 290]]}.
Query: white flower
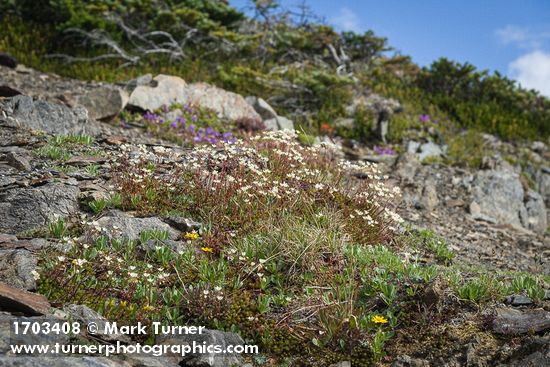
{"points": [[133, 275], [35, 275], [61, 258]]}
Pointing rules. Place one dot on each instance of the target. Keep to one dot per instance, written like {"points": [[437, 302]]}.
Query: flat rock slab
{"points": [[20, 301], [25, 209], [514, 322]]}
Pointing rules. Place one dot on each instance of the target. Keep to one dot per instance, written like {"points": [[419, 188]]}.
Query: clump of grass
{"points": [[60, 147], [467, 149]]}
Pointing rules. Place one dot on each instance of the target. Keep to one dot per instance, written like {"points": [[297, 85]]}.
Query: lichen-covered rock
{"points": [[17, 267], [25, 209], [49, 117]]}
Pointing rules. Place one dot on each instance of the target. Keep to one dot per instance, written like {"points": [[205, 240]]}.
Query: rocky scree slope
{"points": [[490, 218]]}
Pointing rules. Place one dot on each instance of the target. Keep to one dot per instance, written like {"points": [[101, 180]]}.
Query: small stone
{"points": [[517, 300], [20, 301]]}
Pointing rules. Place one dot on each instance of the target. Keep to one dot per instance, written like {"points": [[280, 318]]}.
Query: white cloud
{"points": [[523, 37], [347, 20], [532, 71]]}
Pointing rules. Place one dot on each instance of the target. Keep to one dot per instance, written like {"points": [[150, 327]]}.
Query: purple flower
{"points": [[227, 137], [191, 128], [194, 118], [149, 116], [213, 140], [209, 131], [383, 150], [424, 118], [174, 124]]}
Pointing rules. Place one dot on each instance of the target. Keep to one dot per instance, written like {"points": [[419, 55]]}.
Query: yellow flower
{"points": [[191, 235], [207, 249], [123, 304], [147, 308], [377, 319]]}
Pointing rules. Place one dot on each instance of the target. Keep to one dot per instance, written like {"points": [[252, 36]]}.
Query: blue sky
{"points": [[511, 36]]}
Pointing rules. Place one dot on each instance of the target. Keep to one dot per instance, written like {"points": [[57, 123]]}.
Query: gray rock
{"points": [[208, 337], [18, 161], [143, 80], [279, 123], [263, 108], [500, 195], [163, 90], [227, 105], [25, 209], [16, 267], [104, 103], [429, 150], [7, 337], [413, 147], [181, 223], [539, 147], [543, 183], [533, 352], [85, 315], [517, 300], [406, 167], [536, 217], [121, 225], [429, 199], [49, 117]]}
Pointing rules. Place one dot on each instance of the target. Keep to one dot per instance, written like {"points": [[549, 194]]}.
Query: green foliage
{"points": [[493, 103]]}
